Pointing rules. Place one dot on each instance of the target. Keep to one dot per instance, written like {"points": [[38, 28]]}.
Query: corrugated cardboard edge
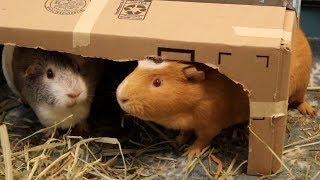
{"points": [[268, 163], [260, 109], [280, 123], [262, 32]]}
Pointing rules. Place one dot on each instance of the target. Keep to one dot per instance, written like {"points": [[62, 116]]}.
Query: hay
{"points": [[219, 163], [73, 157], [6, 150]]}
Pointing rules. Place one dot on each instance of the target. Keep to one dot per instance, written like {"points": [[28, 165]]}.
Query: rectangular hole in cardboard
{"points": [[258, 119], [259, 57], [183, 53]]}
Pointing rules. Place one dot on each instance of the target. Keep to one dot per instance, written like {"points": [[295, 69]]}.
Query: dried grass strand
{"points": [[6, 150], [240, 165], [53, 164], [114, 141], [232, 164], [44, 129], [204, 168], [69, 161], [219, 163], [315, 176], [302, 141]]}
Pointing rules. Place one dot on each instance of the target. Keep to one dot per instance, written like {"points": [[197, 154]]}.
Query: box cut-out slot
{"points": [[179, 54], [258, 119], [259, 57]]}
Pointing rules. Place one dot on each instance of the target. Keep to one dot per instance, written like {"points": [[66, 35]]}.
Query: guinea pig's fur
{"points": [[300, 72], [55, 85], [186, 96]]}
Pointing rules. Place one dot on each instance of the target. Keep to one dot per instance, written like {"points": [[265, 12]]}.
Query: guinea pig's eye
{"points": [[157, 82], [50, 74]]}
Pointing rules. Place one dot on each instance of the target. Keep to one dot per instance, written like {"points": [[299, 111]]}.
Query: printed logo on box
{"points": [[66, 7], [135, 9]]}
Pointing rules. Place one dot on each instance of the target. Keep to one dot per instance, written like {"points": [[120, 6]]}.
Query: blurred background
{"points": [[310, 22]]}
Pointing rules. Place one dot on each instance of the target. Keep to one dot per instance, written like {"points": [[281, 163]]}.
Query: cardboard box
{"points": [[282, 3], [290, 4], [250, 44]]}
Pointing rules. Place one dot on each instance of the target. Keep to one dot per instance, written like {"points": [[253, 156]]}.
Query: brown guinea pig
{"points": [[300, 73], [185, 96]]}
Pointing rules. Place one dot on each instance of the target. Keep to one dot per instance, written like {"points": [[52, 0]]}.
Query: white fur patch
{"points": [[149, 64], [48, 116], [73, 84], [7, 57]]}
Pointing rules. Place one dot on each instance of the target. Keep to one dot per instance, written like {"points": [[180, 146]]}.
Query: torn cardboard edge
{"points": [[258, 110], [82, 32]]}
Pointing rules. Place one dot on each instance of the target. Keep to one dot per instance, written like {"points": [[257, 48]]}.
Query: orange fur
{"points": [[203, 107], [300, 73]]}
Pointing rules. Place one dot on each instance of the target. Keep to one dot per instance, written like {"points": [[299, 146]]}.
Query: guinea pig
{"points": [[300, 69], [189, 97], [55, 85]]}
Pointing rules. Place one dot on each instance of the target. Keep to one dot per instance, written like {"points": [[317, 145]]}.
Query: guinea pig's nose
{"points": [[74, 95], [124, 100]]}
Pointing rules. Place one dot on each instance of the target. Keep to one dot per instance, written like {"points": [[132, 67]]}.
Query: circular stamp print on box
{"points": [[66, 7]]}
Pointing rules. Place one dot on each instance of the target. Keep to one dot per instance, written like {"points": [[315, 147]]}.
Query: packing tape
{"points": [[83, 28], [262, 32], [268, 109]]}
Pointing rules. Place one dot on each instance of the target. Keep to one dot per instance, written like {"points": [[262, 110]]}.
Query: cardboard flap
{"points": [[282, 3], [245, 42], [111, 28]]}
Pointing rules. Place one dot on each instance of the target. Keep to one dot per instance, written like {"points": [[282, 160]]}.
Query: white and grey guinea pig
{"points": [[55, 85]]}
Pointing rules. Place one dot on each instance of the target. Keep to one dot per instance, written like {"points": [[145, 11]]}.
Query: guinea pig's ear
{"points": [[192, 74], [32, 69]]}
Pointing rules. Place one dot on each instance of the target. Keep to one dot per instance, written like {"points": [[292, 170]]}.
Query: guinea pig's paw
{"points": [[193, 151], [306, 109]]}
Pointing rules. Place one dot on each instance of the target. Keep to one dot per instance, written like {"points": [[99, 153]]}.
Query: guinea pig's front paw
{"points": [[193, 151], [306, 109], [201, 144]]}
